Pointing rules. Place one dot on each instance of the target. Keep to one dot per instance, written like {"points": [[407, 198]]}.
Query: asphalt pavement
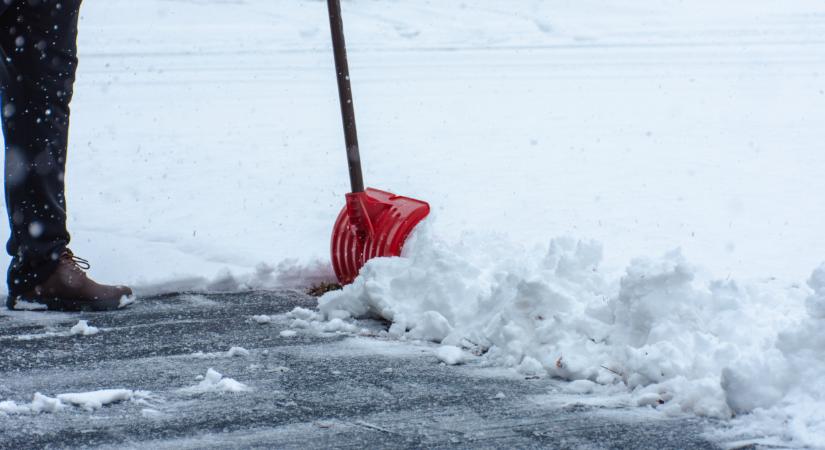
{"points": [[310, 390]]}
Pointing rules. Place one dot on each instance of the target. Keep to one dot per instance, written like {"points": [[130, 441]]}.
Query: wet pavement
{"points": [[307, 390]]}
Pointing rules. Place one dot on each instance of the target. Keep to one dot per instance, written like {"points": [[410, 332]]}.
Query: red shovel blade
{"points": [[372, 224]]}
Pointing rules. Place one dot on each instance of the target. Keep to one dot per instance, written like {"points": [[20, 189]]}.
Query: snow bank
{"points": [[714, 348], [215, 382]]}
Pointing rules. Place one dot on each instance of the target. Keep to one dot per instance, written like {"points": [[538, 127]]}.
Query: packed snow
{"points": [[687, 130]]}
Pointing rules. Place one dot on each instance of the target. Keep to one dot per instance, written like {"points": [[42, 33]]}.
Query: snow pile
{"points": [[215, 382], [671, 340], [785, 386], [82, 328]]}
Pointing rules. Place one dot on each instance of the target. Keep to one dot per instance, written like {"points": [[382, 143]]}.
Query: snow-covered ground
{"points": [[206, 133], [207, 152]]}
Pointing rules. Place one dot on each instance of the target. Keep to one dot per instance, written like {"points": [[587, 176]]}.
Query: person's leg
{"points": [[38, 39], [39, 52]]}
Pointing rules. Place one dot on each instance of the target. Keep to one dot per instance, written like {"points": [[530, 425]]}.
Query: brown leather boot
{"points": [[69, 289]]}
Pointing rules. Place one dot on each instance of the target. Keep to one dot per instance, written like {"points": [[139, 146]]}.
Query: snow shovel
{"points": [[373, 223]]}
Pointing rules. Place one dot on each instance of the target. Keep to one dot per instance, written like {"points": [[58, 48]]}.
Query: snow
{"points": [[11, 407], [89, 401], [237, 351], [583, 387], [41, 403], [678, 143], [126, 301], [643, 125], [96, 399], [82, 328], [233, 352], [216, 382], [450, 355], [29, 306], [669, 338]]}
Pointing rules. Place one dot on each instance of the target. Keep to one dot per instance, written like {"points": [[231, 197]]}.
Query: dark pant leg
{"points": [[38, 39]]}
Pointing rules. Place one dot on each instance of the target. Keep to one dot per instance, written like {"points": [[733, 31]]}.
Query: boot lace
{"points": [[76, 262]]}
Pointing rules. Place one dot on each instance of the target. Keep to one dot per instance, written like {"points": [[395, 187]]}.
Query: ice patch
{"points": [[288, 333], [215, 382], [262, 319], [82, 328]]}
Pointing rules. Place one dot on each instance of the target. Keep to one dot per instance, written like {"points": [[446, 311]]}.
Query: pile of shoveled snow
{"points": [[657, 333]]}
